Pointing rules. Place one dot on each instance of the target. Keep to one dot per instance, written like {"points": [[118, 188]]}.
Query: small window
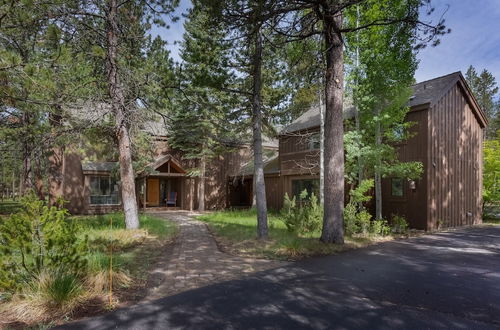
{"points": [[397, 187], [310, 185], [314, 142], [103, 190], [399, 133]]}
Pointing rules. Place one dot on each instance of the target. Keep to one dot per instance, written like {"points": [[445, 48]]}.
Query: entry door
{"points": [[153, 193]]}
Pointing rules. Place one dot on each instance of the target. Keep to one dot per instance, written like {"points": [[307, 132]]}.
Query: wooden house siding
{"points": [[295, 155], [455, 166], [413, 204]]}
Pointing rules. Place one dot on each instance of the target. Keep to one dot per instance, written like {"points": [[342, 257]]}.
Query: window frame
{"points": [[297, 196], [402, 195], [314, 139], [110, 199]]}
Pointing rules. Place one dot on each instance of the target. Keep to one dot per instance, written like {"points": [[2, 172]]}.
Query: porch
{"points": [[164, 186]]}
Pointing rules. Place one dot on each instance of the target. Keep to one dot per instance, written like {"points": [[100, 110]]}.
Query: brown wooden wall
{"points": [[295, 156], [413, 204], [455, 163]]}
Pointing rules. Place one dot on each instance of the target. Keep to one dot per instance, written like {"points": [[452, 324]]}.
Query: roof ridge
{"points": [[441, 77]]}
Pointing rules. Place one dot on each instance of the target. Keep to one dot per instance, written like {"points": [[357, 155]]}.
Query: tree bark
{"points": [[56, 159], [122, 127], [39, 186], [191, 194], [260, 186], [378, 176], [201, 187], [321, 151], [333, 221]]}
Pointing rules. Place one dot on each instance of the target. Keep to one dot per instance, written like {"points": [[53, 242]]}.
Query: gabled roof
{"points": [[311, 119], [431, 91], [426, 92], [99, 166], [271, 164], [163, 160]]}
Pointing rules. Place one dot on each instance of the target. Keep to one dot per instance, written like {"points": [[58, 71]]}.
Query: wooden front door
{"points": [[153, 192]]}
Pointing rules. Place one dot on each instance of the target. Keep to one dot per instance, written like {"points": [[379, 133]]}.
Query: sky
{"points": [[474, 38]]}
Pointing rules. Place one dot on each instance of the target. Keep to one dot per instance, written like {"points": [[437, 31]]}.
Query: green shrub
{"points": [[380, 227], [304, 216], [358, 221], [36, 239], [399, 224]]}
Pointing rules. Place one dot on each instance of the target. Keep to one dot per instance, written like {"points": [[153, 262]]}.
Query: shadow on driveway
{"points": [[445, 280]]}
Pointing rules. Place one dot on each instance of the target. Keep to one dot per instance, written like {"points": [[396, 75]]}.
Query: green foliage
{"points": [[358, 221], [399, 224], [484, 87], [380, 227], [302, 216], [36, 239], [491, 171]]}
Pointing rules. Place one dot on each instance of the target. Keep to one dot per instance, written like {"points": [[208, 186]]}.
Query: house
{"points": [[447, 140]]}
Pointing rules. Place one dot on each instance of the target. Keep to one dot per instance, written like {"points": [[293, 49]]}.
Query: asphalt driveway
{"points": [[447, 280]]}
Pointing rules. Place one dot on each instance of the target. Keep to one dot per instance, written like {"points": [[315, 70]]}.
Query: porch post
{"points": [[145, 192]]}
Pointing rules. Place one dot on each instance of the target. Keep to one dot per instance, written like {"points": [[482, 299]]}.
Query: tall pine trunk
{"points": [[122, 128], [260, 187], [378, 175], [201, 187], [333, 221], [321, 151], [56, 162]]}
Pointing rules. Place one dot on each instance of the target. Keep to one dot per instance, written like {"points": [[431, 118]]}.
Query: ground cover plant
{"points": [[54, 266]]}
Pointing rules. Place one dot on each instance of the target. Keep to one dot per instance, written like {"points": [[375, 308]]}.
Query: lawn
{"points": [[134, 251], [235, 232]]}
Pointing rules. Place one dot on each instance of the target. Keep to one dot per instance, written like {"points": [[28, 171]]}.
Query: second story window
{"points": [[314, 141]]}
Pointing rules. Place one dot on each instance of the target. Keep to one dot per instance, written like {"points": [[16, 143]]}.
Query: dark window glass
{"points": [[310, 185], [314, 142], [103, 190], [397, 187]]}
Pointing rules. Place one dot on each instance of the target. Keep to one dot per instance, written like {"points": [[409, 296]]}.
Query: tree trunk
{"points": [[201, 187], [122, 127], [39, 186], [25, 182], [333, 221], [191, 194], [321, 151], [260, 186], [56, 159], [378, 176]]}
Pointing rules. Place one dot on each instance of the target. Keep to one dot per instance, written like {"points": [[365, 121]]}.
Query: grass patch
{"points": [[236, 233], [55, 296]]}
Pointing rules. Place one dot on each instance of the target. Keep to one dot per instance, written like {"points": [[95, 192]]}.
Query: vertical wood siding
{"points": [[413, 204], [455, 156]]}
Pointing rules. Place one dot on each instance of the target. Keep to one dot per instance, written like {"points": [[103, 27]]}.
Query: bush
{"points": [[36, 239], [399, 224], [380, 227], [304, 216]]}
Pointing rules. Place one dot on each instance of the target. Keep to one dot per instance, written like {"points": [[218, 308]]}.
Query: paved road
{"points": [[448, 280]]}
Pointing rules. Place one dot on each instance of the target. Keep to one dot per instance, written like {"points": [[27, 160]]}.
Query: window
{"points": [[310, 185], [103, 190], [314, 142], [397, 187], [399, 133]]}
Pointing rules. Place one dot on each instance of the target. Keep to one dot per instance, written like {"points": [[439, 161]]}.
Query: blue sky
{"points": [[474, 40]]}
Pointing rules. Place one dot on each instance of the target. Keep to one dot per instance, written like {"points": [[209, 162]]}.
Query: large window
{"points": [[310, 185], [397, 187], [103, 190]]}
